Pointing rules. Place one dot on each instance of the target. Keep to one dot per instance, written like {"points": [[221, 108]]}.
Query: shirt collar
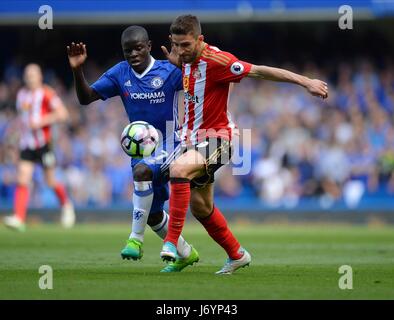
{"points": [[138, 75]]}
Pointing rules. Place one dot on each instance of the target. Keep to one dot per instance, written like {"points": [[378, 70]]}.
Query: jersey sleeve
{"points": [[107, 85], [228, 68], [53, 98], [176, 79]]}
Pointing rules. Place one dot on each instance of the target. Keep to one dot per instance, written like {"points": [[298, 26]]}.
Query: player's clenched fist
{"points": [[77, 54]]}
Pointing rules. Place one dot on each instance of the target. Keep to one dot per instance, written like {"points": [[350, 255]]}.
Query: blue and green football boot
{"points": [[132, 250], [181, 263]]}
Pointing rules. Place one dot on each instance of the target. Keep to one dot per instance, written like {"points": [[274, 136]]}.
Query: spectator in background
{"points": [[97, 188], [358, 117]]}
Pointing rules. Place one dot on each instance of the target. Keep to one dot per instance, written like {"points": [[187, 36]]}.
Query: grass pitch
{"points": [[289, 262]]}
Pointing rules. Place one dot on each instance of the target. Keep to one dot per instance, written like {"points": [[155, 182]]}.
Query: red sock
{"points": [[179, 203], [21, 201], [217, 228], [61, 193]]}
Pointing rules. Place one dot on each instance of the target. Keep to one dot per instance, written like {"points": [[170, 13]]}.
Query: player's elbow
{"points": [[62, 118], [88, 98], [84, 101], [61, 114], [65, 116]]}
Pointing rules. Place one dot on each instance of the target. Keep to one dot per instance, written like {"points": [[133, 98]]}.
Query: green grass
{"points": [[289, 262]]}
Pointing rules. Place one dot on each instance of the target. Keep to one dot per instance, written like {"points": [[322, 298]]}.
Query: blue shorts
{"points": [[160, 181]]}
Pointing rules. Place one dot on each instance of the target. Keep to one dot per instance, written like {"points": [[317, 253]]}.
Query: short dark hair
{"points": [[186, 24], [134, 33]]}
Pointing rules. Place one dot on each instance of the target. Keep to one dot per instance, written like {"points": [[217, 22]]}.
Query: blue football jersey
{"points": [[151, 96]]}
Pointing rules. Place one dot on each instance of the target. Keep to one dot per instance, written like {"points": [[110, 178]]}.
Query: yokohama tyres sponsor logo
{"points": [[147, 95]]}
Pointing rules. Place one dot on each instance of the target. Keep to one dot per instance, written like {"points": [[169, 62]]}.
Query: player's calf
{"points": [[217, 228], [184, 249], [142, 200]]}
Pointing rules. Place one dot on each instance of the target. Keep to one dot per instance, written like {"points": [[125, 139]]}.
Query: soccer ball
{"points": [[139, 139]]}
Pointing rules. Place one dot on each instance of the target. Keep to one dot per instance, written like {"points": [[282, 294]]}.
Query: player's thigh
{"points": [[48, 161], [50, 178], [201, 201], [190, 164], [25, 172]]}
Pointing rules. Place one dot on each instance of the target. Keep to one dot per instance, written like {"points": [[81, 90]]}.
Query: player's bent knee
{"points": [[142, 172], [23, 180], [51, 183]]}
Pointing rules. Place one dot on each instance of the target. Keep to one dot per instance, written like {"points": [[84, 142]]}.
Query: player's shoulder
{"points": [[21, 92], [122, 65], [165, 65], [214, 55], [20, 95], [48, 91]]}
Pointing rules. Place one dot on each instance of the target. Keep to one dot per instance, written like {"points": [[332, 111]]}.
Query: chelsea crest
{"points": [[156, 82]]}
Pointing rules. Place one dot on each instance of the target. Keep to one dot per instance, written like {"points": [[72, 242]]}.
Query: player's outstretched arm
{"points": [[314, 86], [77, 55]]}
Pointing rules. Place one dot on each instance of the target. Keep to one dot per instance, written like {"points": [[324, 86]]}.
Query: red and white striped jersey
{"points": [[31, 107], [206, 85]]}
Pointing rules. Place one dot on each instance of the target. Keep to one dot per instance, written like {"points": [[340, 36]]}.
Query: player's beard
{"points": [[189, 58]]}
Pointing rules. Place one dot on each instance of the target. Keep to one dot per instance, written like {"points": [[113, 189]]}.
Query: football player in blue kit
{"points": [[149, 91]]}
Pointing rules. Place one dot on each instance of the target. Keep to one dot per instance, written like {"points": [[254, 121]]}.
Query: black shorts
{"points": [[216, 151], [43, 156]]}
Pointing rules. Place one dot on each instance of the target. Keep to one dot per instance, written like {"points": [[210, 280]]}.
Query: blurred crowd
{"points": [[341, 148]]}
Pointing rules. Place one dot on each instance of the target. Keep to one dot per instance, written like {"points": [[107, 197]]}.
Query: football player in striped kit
{"points": [[39, 108], [207, 132]]}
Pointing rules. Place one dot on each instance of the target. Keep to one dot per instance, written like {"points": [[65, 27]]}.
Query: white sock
{"points": [[142, 200], [160, 229]]}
